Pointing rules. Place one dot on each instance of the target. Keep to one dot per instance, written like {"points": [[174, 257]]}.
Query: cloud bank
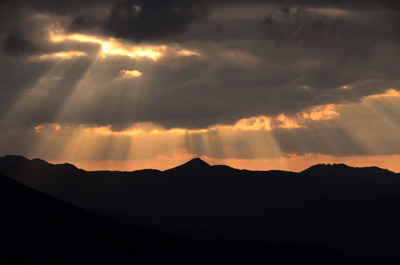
{"points": [[197, 65]]}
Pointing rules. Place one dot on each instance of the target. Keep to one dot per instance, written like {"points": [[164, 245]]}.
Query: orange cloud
{"points": [[389, 93], [125, 74], [46, 127], [317, 113], [58, 55], [112, 46]]}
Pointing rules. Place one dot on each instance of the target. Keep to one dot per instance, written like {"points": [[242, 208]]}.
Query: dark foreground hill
{"points": [[356, 210], [38, 229]]}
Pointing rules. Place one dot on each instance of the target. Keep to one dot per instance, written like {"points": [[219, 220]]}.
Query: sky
{"points": [[133, 84]]}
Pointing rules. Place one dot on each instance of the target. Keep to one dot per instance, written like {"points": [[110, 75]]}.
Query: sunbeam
{"points": [[247, 84], [373, 126], [33, 97]]}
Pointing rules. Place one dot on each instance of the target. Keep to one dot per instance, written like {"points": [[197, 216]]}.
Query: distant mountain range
{"points": [[355, 210]]}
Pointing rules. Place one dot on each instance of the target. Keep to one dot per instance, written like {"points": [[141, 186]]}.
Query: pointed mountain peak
{"points": [[196, 164]]}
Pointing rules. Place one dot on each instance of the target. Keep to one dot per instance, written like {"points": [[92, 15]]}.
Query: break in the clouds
{"points": [[204, 65]]}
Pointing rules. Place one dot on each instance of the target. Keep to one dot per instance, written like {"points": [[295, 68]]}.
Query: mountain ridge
{"points": [[45, 230], [198, 163], [222, 200], [341, 169]]}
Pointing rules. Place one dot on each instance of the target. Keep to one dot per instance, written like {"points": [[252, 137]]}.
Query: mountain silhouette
{"points": [[38, 229], [351, 209], [373, 174], [196, 164]]}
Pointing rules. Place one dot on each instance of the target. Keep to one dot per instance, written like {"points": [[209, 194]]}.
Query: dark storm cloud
{"points": [[297, 26], [144, 20], [345, 4], [17, 44], [285, 60], [141, 20], [57, 7], [63, 7], [138, 20]]}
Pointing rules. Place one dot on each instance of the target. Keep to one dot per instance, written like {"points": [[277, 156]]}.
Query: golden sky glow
{"points": [[294, 163], [41, 128], [145, 145], [58, 55], [389, 93], [318, 113], [111, 46]]}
